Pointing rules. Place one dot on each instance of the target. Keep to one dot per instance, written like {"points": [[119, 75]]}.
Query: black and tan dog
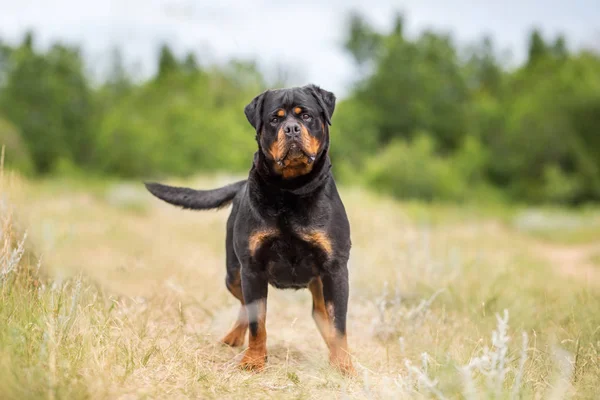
{"points": [[288, 226]]}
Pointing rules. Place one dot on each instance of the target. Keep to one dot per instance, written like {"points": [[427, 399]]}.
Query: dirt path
{"points": [[575, 261]]}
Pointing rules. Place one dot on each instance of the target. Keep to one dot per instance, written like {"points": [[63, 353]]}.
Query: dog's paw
{"points": [[343, 364], [235, 337], [253, 360]]}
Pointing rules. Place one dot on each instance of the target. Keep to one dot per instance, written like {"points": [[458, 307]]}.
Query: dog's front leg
{"points": [[254, 288], [335, 293]]}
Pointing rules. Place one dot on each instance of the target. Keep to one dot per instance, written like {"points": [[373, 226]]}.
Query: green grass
{"points": [[130, 302]]}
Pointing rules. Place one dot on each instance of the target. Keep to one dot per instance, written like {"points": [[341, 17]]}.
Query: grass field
{"points": [[115, 295]]}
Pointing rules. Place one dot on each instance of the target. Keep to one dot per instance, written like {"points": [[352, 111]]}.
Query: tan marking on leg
{"points": [[339, 356], [235, 287], [237, 334], [323, 314], [319, 313], [256, 354]]}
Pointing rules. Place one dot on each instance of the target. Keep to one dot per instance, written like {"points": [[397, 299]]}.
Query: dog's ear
{"points": [[253, 111], [325, 99]]}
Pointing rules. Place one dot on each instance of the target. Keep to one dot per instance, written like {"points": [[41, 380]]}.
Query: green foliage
{"points": [[362, 41], [413, 171], [531, 132], [426, 119], [537, 48], [417, 85], [200, 128], [354, 132], [15, 152], [551, 125], [47, 96], [167, 63], [187, 119], [557, 186]]}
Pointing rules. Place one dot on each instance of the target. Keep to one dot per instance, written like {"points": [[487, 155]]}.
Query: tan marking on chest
{"points": [[257, 238], [319, 239]]}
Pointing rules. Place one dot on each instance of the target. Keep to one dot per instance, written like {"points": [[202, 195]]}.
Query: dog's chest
{"points": [[291, 260]]}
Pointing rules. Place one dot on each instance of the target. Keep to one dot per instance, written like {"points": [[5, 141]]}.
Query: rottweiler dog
{"points": [[288, 226]]}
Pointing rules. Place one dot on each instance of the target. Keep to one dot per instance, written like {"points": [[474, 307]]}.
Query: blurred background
{"points": [[496, 102], [465, 144]]}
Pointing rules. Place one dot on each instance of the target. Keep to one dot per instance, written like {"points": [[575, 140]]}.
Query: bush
{"points": [[353, 133], [412, 170], [559, 187]]}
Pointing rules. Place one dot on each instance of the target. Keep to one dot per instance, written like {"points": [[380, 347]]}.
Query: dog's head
{"points": [[292, 127]]}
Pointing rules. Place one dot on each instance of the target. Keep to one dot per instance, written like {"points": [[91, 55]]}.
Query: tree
{"points": [[559, 48], [5, 52], [167, 63], [47, 96], [28, 41], [531, 131], [362, 41], [118, 79], [418, 86], [190, 64], [550, 140], [484, 70], [537, 48]]}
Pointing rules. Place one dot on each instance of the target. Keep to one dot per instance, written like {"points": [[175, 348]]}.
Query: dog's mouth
{"points": [[295, 154]]}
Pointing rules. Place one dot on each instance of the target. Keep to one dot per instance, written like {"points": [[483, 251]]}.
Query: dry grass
{"points": [[135, 302]]}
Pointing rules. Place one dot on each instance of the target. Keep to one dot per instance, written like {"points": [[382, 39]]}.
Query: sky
{"points": [[303, 37]]}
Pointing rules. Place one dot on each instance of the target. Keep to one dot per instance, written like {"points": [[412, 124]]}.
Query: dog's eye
{"points": [[274, 120], [306, 117]]}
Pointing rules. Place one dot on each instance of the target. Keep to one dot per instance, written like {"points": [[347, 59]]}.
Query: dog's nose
{"points": [[292, 129]]}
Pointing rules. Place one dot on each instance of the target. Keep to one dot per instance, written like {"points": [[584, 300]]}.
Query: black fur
{"points": [[190, 199]]}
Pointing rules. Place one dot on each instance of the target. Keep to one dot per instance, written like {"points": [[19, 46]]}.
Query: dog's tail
{"points": [[191, 199]]}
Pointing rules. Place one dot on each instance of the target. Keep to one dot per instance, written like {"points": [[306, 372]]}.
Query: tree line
{"points": [[425, 119]]}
